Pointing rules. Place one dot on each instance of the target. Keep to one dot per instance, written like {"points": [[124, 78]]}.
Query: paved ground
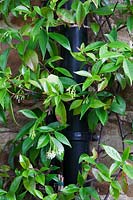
{"points": [[122, 197]]}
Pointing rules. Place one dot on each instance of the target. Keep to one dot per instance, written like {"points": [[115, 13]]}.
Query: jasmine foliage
{"points": [[41, 78]]}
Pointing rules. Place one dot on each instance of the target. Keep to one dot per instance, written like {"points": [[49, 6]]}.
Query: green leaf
{"points": [[103, 11], [22, 8], [45, 129], [121, 79], [40, 178], [95, 27], [129, 142], [113, 168], [111, 54], [71, 188], [35, 83], [11, 196], [65, 15], [76, 104], [114, 192], [128, 169], [109, 67], [85, 157], [119, 45], [61, 39], [128, 69], [29, 184], [3, 59], [60, 112], [92, 120], [102, 115], [84, 108], [15, 184], [31, 59], [28, 142], [83, 73], [2, 192], [42, 141], [96, 2], [67, 81], [103, 85], [78, 56], [43, 39], [130, 23], [61, 3], [24, 130], [86, 192], [112, 153], [118, 105], [62, 138], [56, 81], [58, 146], [92, 56], [38, 193], [126, 153], [96, 67], [80, 14], [24, 162], [28, 113], [96, 174], [103, 169], [49, 189], [87, 83], [96, 103], [64, 71], [93, 46]]}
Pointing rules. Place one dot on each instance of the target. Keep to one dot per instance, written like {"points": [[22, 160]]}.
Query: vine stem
{"points": [[99, 140], [121, 131]]}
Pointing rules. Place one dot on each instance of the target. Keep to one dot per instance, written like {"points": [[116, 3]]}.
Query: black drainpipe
{"points": [[77, 133]]}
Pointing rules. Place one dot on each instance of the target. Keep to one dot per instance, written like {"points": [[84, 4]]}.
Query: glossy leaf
{"points": [[43, 39], [87, 83], [102, 115], [93, 46], [24, 162], [83, 73], [112, 153], [110, 67], [2, 192], [40, 178], [62, 138], [130, 23], [92, 120], [95, 27], [76, 104], [65, 15], [3, 59], [60, 112], [61, 39], [28, 113], [27, 144], [126, 153], [128, 169], [80, 14], [118, 105], [42, 141], [103, 84], [15, 184], [64, 71], [96, 103], [128, 69], [31, 59]]}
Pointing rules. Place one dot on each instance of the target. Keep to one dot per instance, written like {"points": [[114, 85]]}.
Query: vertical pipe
{"points": [[77, 133]]}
